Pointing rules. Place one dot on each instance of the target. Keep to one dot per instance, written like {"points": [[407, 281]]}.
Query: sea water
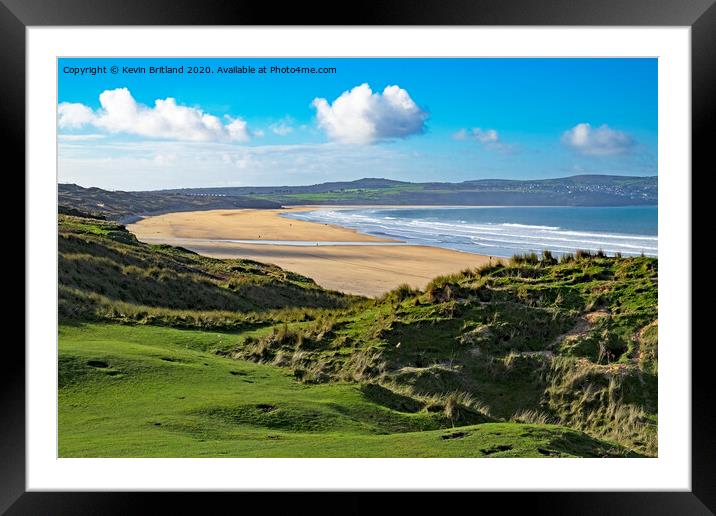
{"points": [[505, 231]]}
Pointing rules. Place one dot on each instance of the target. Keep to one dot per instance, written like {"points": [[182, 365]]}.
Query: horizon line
{"points": [[368, 178]]}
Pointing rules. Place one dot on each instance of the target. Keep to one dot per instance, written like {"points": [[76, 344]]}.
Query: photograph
{"points": [[357, 257]]}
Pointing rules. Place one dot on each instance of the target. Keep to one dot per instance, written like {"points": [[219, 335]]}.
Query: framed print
{"points": [[441, 249]]}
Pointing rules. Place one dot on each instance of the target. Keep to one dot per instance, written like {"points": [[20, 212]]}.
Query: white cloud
{"points": [[238, 130], [137, 165], [73, 115], [602, 141], [487, 137], [121, 113], [239, 161], [361, 116], [282, 127], [460, 135], [483, 136]]}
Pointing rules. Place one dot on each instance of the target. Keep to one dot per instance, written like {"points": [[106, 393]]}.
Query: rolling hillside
{"points": [[127, 206], [586, 190], [163, 352], [595, 190], [105, 272]]}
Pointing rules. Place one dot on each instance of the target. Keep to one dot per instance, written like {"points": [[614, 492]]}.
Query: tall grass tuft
{"points": [[566, 258], [525, 259], [548, 258], [399, 294], [583, 254], [533, 417], [460, 407]]}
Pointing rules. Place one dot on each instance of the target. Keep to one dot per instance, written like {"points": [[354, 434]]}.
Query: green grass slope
{"points": [[105, 273], [119, 205], [146, 391], [163, 352], [572, 342]]}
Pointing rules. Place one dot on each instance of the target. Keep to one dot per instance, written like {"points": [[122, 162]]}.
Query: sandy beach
{"points": [[367, 269], [243, 225]]}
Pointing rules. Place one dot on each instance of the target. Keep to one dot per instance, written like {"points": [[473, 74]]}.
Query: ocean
{"points": [[505, 231]]}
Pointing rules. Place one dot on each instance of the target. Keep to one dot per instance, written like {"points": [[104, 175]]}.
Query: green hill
{"points": [[167, 353], [148, 391], [125, 206], [573, 342], [106, 273], [583, 190]]}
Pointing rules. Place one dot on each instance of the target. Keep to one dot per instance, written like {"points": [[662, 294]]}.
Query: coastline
{"points": [[366, 269]]}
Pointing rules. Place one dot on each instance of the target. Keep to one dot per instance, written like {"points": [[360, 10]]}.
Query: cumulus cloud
{"points": [[600, 141], [361, 116], [238, 129], [121, 113], [74, 115]]}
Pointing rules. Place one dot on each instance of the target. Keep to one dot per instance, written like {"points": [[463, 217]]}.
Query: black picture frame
{"points": [[17, 15]]}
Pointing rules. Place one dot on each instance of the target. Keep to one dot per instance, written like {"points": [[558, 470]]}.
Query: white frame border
{"points": [[670, 471]]}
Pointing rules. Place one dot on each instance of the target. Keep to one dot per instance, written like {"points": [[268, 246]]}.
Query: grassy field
{"points": [[128, 391], [163, 352]]}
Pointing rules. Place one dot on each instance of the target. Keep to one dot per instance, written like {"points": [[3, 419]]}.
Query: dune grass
{"points": [[102, 266]]}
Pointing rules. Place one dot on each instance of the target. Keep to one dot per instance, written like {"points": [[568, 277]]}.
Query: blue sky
{"points": [[408, 119]]}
